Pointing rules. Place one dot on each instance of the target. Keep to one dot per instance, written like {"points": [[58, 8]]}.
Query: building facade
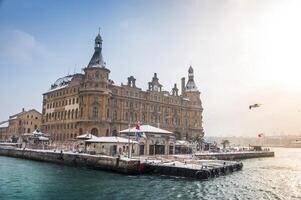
{"points": [[91, 102], [20, 123], [3, 130]]}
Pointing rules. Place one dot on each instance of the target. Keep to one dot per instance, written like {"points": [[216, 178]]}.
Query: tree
{"points": [[199, 140], [225, 143]]}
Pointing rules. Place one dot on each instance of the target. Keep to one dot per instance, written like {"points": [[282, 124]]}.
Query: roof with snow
{"points": [[111, 140], [146, 129], [4, 124], [86, 136], [61, 83], [36, 133], [15, 116]]}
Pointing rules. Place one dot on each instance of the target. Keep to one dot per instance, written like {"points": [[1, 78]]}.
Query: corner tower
{"points": [[94, 94], [195, 115]]}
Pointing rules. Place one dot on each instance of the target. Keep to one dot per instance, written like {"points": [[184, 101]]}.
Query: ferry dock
{"points": [[189, 168], [234, 155]]}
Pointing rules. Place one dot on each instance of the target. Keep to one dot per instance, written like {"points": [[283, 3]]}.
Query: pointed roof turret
{"points": [[97, 59], [191, 86]]}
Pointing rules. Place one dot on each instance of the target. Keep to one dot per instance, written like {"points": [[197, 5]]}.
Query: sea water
{"points": [[264, 178]]}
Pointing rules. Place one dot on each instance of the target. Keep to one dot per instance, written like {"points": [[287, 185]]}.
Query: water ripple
{"points": [[270, 178]]}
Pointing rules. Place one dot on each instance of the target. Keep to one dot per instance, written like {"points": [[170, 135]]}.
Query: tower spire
{"points": [[97, 59], [191, 86]]}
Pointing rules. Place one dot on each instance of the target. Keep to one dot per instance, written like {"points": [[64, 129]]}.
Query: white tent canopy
{"points": [[145, 129], [110, 140]]}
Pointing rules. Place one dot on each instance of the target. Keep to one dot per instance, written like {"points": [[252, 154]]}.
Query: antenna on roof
{"points": [[99, 30]]}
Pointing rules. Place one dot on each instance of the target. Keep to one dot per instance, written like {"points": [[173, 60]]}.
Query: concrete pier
{"points": [[190, 168], [234, 155], [120, 165], [197, 169]]}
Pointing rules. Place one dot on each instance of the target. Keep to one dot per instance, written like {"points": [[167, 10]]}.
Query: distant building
{"points": [[20, 123], [91, 102]]}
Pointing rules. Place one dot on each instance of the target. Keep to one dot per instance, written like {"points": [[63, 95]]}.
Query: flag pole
{"points": [[129, 141]]}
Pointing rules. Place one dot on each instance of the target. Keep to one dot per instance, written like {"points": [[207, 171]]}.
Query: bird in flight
{"points": [[256, 105]]}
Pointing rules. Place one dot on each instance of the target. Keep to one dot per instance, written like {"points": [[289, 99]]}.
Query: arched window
{"points": [[135, 117], [94, 131], [72, 114], [144, 117], [108, 113], [114, 133], [132, 117], [95, 112], [76, 113], [115, 115], [68, 114]]}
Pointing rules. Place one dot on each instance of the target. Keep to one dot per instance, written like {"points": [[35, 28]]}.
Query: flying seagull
{"points": [[256, 105]]}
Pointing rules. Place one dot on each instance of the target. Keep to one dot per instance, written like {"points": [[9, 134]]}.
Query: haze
{"points": [[243, 52]]}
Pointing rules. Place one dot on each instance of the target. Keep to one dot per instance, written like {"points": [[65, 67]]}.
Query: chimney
{"points": [[183, 86], [23, 109]]}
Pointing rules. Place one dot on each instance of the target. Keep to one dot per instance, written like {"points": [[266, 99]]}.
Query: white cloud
{"points": [[21, 47]]}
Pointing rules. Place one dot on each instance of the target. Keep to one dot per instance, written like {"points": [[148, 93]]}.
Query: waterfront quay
{"points": [[190, 168], [234, 155]]}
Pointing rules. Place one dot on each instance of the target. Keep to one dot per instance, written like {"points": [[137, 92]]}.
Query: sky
{"points": [[242, 51]]}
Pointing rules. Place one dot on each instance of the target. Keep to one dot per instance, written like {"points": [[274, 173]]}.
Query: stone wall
{"points": [[128, 166]]}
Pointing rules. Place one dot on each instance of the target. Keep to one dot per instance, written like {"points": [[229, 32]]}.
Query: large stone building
{"points": [[91, 102], [20, 123]]}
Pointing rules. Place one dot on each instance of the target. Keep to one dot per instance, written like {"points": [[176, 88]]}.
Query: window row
{"points": [[62, 115], [31, 117], [63, 92], [63, 136], [60, 126], [62, 103]]}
